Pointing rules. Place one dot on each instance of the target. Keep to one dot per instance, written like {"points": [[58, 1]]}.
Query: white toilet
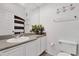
{"points": [[68, 48]]}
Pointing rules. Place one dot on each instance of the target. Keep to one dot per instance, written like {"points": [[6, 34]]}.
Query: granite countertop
{"points": [[5, 45]]}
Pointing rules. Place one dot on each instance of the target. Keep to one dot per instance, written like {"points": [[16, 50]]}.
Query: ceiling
{"points": [[32, 6]]}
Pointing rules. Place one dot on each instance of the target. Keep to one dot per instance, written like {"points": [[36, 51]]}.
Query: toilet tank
{"points": [[67, 46]]}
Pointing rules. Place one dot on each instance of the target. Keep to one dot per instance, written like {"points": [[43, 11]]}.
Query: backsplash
{"points": [[6, 37]]}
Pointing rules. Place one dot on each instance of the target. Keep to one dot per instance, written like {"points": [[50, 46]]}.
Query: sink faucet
{"points": [[21, 34], [18, 35]]}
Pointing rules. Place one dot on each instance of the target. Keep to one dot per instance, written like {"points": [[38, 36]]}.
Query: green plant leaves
{"points": [[37, 28]]}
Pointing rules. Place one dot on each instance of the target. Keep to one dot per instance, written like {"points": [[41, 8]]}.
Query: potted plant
{"points": [[37, 29], [41, 29]]}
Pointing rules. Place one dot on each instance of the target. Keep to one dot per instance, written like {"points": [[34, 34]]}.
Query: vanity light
{"points": [[71, 7], [65, 8]]}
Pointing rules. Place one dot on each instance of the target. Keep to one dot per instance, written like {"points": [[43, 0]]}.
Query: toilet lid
{"points": [[63, 54]]}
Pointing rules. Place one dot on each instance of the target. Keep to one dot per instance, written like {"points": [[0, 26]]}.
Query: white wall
{"points": [[34, 18], [58, 31], [7, 12]]}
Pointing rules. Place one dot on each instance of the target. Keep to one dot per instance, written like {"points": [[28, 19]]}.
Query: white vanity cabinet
{"points": [[19, 50], [43, 42], [34, 48], [38, 46]]}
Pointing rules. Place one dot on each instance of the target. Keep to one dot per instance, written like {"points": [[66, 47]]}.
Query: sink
{"points": [[18, 40]]}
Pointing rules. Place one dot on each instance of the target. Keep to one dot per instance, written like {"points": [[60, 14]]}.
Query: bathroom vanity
{"points": [[34, 47]]}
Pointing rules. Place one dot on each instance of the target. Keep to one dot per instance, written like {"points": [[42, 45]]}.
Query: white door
{"points": [[34, 47], [43, 43], [38, 47], [27, 49]]}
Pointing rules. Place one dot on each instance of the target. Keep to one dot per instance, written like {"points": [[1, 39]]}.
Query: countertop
{"points": [[5, 45]]}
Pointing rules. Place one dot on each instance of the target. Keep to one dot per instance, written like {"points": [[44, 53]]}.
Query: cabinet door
{"points": [[38, 46], [34, 48], [43, 43], [16, 51], [27, 49]]}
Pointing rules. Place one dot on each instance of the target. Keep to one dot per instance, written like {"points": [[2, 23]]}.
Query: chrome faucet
{"points": [[21, 34], [18, 35]]}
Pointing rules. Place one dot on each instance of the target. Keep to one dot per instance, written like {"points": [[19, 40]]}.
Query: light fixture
{"points": [[71, 7], [65, 8]]}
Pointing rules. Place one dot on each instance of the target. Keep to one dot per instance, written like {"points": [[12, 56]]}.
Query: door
{"points": [[38, 47], [34, 47], [43, 43]]}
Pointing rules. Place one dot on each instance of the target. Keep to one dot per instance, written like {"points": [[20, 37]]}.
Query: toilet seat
{"points": [[63, 54]]}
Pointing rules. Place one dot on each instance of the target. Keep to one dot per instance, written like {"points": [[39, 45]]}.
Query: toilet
{"points": [[68, 48]]}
